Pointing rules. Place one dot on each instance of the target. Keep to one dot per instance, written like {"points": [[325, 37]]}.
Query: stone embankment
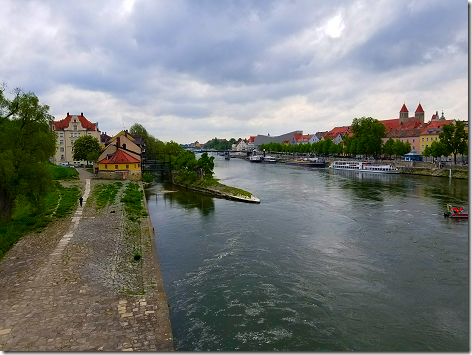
{"points": [[78, 285], [456, 171]]}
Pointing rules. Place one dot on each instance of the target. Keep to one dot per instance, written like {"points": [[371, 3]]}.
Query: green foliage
{"points": [[26, 218], [185, 160], [147, 177], [454, 138], [26, 144], [438, 149], [401, 148], [62, 172], [106, 193], [207, 164], [218, 144], [87, 148], [367, 135], [388, 148]]}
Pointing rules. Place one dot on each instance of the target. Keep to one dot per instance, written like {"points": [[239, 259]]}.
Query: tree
{"points": [[454, 138], [26, 144], [438, 149], [87, 148], [207, 164], [368, 133], [388, 147]]}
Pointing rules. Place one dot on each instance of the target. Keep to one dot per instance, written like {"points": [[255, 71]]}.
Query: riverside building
{"points": [[68, 130]]}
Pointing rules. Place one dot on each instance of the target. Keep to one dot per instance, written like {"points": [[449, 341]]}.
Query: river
{"points": [[329, 260]]}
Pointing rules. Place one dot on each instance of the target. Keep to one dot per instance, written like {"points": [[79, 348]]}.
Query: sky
{"points": [[194, 70]]}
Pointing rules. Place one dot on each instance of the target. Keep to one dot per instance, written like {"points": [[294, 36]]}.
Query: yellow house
{"points": [[430, 134], [120, 165]]}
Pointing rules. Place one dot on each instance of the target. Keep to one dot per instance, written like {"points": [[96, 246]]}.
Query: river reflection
{"points": [[326, 261], [185, 199]]}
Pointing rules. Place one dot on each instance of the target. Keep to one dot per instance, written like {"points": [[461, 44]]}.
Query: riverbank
{"points": [[88, 282], [412, 168]]}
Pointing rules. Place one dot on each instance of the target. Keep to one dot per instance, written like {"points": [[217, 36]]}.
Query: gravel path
{"points": [[76, 287]]}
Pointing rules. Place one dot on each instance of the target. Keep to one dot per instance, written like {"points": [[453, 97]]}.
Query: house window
{"points": [[62, 156], [75, 128], [422, 147], [413, 140], [426, 139], [138, 165], [62, 142], [106, 166], [116, 166], [61, 134], [436, 139], [62, 149], [127, 166], [422, 139]]}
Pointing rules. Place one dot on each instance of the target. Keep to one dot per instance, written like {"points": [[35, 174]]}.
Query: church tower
{"points": [[419, 114], [403, 114]]}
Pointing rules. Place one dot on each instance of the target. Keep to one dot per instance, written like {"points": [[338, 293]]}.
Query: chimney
{"points": [[118, 143], [67, 113], [82, 114]]}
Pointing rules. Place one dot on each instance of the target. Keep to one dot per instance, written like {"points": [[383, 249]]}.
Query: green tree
{"points": [[185, 160], [437, 149], [427, 152], [454, 138], [26, 145], [388, 147], [207, 164], [368, 133], [87, 148]]}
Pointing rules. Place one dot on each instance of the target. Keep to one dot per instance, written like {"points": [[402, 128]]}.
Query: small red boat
{"points": [[455, 212]]}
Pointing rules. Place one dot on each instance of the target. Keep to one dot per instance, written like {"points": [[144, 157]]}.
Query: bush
{"points": [[147, 177]]}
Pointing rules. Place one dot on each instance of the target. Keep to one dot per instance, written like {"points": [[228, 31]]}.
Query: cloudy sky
{"points": [[195, 70]]}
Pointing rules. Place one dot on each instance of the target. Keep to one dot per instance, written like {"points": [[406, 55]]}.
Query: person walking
{"points": [[81, 200]]}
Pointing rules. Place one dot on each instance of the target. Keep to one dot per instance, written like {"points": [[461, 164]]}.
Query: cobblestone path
{"points": [[75, 287]]}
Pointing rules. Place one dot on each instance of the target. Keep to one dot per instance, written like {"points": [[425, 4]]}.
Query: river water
{"points": [[329, 260]]}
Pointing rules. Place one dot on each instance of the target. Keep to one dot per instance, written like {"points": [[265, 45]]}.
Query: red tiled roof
{"points": [[62, 124], [435, 126], [297, 136], [120, 157], [336, 131], [419, 109], [251, 139], [404, 109], [391, 124]]}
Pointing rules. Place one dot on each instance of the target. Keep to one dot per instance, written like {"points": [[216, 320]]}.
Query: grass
{"points": [[132, 200], [106, 193], [59, 202], [62, 172], [212, 183]]}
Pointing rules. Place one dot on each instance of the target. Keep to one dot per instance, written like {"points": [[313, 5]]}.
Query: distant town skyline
{"points": [[194, 70]]}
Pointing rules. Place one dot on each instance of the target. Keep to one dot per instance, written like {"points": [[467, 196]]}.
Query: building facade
{"points": [[68, 130]]}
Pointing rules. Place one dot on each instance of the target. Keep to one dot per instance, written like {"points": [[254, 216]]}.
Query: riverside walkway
{"points": [[74, 286]]}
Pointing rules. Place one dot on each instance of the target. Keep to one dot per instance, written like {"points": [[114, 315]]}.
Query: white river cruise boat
{"points": [[364, 167]]}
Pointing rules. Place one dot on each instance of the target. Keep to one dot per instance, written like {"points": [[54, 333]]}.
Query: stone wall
{"points": [[118, 175]]}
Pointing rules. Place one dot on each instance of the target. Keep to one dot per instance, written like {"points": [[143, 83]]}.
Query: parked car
{"points": [[65, 164]]}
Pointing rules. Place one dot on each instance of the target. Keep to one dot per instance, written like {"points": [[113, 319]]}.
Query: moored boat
{"points": [[268, 160], [310, 162], [363, 166]]}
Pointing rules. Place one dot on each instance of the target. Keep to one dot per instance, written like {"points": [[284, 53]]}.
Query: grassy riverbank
{"points": [[212, 186], [58, 203]]}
